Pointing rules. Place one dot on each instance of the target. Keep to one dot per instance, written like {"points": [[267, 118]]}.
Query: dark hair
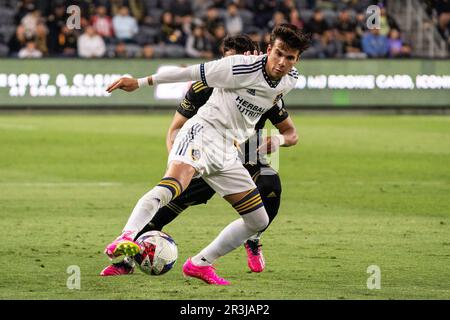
{"points": [[292, 36], [240, 43]]}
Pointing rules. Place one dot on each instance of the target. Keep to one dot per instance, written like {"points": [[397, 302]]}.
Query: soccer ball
{"points": [[158, 254]]}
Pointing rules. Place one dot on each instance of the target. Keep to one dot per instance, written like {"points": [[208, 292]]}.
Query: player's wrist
{"points": [[280, 138], [143, 82]]}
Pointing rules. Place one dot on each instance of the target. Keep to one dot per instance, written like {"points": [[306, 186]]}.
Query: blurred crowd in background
{"points": [[195, 28]]}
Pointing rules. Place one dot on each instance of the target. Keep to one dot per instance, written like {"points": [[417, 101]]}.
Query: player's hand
{"points": [[124, 83], [255, 53], [269, 145]]}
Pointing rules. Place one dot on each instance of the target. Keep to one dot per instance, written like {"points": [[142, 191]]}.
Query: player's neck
{"points": [[272, 78]]}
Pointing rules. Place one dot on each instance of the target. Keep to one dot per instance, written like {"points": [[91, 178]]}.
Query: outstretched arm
{"points": [[217, 74]]}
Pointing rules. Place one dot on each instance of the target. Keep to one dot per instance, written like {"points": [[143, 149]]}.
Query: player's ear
{"points": [[269, 48]]}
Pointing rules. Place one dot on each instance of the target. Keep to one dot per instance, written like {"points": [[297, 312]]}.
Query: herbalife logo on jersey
{"points": [[248, 109]]}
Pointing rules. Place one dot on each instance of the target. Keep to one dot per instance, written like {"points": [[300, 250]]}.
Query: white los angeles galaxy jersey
{"points": [[243, 92]]}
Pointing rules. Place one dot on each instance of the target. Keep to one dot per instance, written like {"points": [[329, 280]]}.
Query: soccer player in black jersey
{"points": [[198, 192]]}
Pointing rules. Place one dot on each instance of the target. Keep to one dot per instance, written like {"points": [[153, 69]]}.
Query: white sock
{"points": [[146, 208], [233, 236], [255, 237]]}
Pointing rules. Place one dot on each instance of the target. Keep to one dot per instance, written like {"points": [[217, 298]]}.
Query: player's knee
{"points": [[269, 182], [263, 222], [257, 220]]}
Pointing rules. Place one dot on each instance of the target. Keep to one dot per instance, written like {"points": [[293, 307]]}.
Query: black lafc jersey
{"points": [[197, 96]]}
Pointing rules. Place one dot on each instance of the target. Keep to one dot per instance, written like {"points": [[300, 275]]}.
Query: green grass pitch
{"points": [[357, 191]]}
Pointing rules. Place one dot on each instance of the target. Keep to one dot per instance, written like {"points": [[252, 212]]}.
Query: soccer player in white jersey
{"points": [[246, 87]]}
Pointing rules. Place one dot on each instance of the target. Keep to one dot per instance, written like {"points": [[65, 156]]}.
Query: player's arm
{"points": [[177, 122], [287, 132], [217, 74]]}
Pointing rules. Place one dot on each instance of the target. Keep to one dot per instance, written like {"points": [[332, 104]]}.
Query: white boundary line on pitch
{"points": [[13, 126], [61, 184]]}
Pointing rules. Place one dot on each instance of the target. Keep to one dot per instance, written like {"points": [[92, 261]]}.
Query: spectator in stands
{"points": [[294, 18], [120, 50], [277, 19], [24, 7], [351, 45], [374, 44], [443, 15], [148, 52], [263, 12], [30, 50], [233, 21], [256, 36], [317, 25], [265, 41], [397, 48], [17, 41], [198, 44], [102, 24], [67, 42], [55, 22], [345, 22], [327, 46], [361, 25], [212, 19], [41, 38], [170, 33], [181, 9], [90, 44], [30, 22], [219, 34], [285, 7], [136, 6], [125, 26]]}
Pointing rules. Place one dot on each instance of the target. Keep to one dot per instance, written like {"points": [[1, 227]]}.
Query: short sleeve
{"points": [[196, 97], [277, 113], [218, 73]]}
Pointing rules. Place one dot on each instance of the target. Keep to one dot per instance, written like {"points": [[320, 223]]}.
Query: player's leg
{"points": [[181, 169], [197, 192], [253, 219], [177, 178], [269, 185]]}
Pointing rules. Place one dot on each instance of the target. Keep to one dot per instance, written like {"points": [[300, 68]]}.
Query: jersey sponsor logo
{"points": [[252, 92], [187, 105], [248, 109]]}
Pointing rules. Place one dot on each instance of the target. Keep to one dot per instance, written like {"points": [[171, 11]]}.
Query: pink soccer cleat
{"points": [[205, 273], [123, 245], [117, 269], [255, 258]]}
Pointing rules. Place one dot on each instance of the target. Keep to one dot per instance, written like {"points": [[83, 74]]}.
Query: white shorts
{"points": [[214, 157]]}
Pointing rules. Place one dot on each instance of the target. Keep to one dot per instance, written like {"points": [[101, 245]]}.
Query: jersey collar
{"points": [[271, 83]]}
